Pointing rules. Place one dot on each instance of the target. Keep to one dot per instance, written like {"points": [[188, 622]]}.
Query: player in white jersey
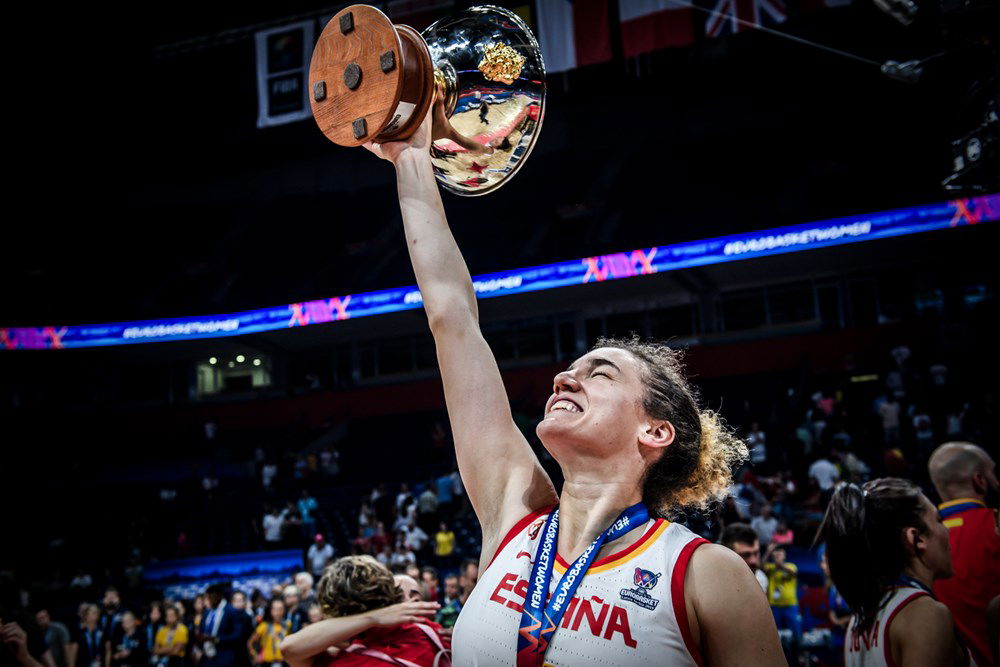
{"points": [[885, 546], [633, 446]]}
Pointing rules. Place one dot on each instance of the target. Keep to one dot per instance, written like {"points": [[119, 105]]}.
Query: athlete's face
{"points": [[596, 405], [932, 546]]}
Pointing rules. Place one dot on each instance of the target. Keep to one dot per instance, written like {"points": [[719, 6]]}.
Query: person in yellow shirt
{"points": [[264, 644], [444, 545], [171, 639], [783, 593]]}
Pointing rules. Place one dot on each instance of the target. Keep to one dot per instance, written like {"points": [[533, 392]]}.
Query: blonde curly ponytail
{"points": [[695, 471]]}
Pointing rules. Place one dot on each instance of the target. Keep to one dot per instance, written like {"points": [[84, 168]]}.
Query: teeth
{"points": [[565, 405]]}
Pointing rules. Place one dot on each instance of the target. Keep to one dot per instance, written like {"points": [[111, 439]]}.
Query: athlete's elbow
{"points": [[451, 317]]}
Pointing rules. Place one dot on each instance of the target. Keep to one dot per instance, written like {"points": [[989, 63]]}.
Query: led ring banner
{"points": [[643, 261]]}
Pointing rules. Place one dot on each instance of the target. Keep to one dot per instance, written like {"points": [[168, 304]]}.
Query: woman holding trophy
{"points": [[595, 574]]}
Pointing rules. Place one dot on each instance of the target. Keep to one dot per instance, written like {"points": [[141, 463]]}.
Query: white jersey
{"points": [[872, 648], [628, 610]]}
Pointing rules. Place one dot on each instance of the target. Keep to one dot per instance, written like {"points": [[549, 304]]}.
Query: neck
{"points": [[587, 506], [954, 493], [920, 572]]}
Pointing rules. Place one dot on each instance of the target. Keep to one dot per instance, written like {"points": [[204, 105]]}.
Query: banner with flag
{"points": [[732, 16], [650, 25], [573, 33]]}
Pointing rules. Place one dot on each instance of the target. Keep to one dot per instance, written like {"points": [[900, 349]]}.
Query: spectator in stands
{"points": [[427, 507], [783, 536], [111, 611], [429, 583], [264, 646], [824, 473], [765, 525], [127, 647], [403, 498], [315, 613], [56, 636], [194, 621], [307, 514], [304, 582], [378, 538], [364, 605], [295, 614], [82, 580], [361, 544], [220, 630], [274, 525], [154, 619], [320, 553], [267, 474], [444, 545], [445, 494], [171, 639], [757, 445], [86, 648], [451, 605], [965, 478], [468, 577], [414, 537], [742, 539], [385, 556], [889, 412], [783, 594], [246, 621]]}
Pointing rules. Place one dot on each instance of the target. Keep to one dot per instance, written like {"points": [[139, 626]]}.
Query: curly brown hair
{"points": [[696, 470], [354, 585]]}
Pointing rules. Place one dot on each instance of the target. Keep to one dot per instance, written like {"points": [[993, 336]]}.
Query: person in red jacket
{"points": [[367, 622], [965, 478]]}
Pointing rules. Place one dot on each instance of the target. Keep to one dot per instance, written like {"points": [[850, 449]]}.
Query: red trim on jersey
{"points": [[618, 554], [677, 596], [517, 528], [886, 643]]}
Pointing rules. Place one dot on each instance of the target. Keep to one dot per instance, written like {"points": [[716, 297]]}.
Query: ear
{"points": [[913, 542], [979, 483], [657, 434]]}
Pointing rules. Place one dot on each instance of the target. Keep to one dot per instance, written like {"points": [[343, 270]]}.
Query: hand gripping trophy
{"points": [[481, 69]]}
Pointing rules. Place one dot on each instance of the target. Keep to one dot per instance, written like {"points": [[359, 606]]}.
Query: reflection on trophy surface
{"points": [[480, 69]]}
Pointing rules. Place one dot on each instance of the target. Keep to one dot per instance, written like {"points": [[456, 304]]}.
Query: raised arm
{"points": [[503, 477]]}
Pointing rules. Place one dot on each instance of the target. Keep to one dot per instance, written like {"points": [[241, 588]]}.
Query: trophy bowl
{"points": [[481, 70]]}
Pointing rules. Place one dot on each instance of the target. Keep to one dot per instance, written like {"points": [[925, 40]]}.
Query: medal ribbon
{"points": [[911, 582], [540, 620]]}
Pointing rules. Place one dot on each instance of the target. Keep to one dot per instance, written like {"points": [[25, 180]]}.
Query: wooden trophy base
{"points": [[369, 80]]}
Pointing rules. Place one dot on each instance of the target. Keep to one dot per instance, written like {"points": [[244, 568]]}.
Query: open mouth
{"points": [[565, 404]]}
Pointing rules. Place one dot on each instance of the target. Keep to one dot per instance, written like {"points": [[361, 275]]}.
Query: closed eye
{"points": [[601, 373]]}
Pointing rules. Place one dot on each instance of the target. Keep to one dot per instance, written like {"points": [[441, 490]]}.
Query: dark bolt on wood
{"points": [[387, 61], [319, 91], [360, 128], [352, 76], [347, 23]]}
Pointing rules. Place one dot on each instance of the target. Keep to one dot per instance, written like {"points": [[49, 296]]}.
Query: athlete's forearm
{"points": [[442, 275], [317, 637]]}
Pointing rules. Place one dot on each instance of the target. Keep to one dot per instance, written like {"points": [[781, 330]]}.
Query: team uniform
{"points": [[628, 610], [268, 637], [975, 558], [873, 648]]}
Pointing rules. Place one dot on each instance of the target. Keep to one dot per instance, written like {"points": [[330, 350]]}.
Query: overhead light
{"points": [[231, 364], [256, 362], [213, 361], [240, 358]]}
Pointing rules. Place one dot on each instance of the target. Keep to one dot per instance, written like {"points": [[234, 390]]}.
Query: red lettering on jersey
{"points": [[619, 623], [870, 638], [568, 616], [521, 590], [596, 622], [505, 584]]}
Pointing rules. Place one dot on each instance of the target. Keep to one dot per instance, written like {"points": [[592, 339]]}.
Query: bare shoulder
{"points": [[728, 614], [922, 634]]}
